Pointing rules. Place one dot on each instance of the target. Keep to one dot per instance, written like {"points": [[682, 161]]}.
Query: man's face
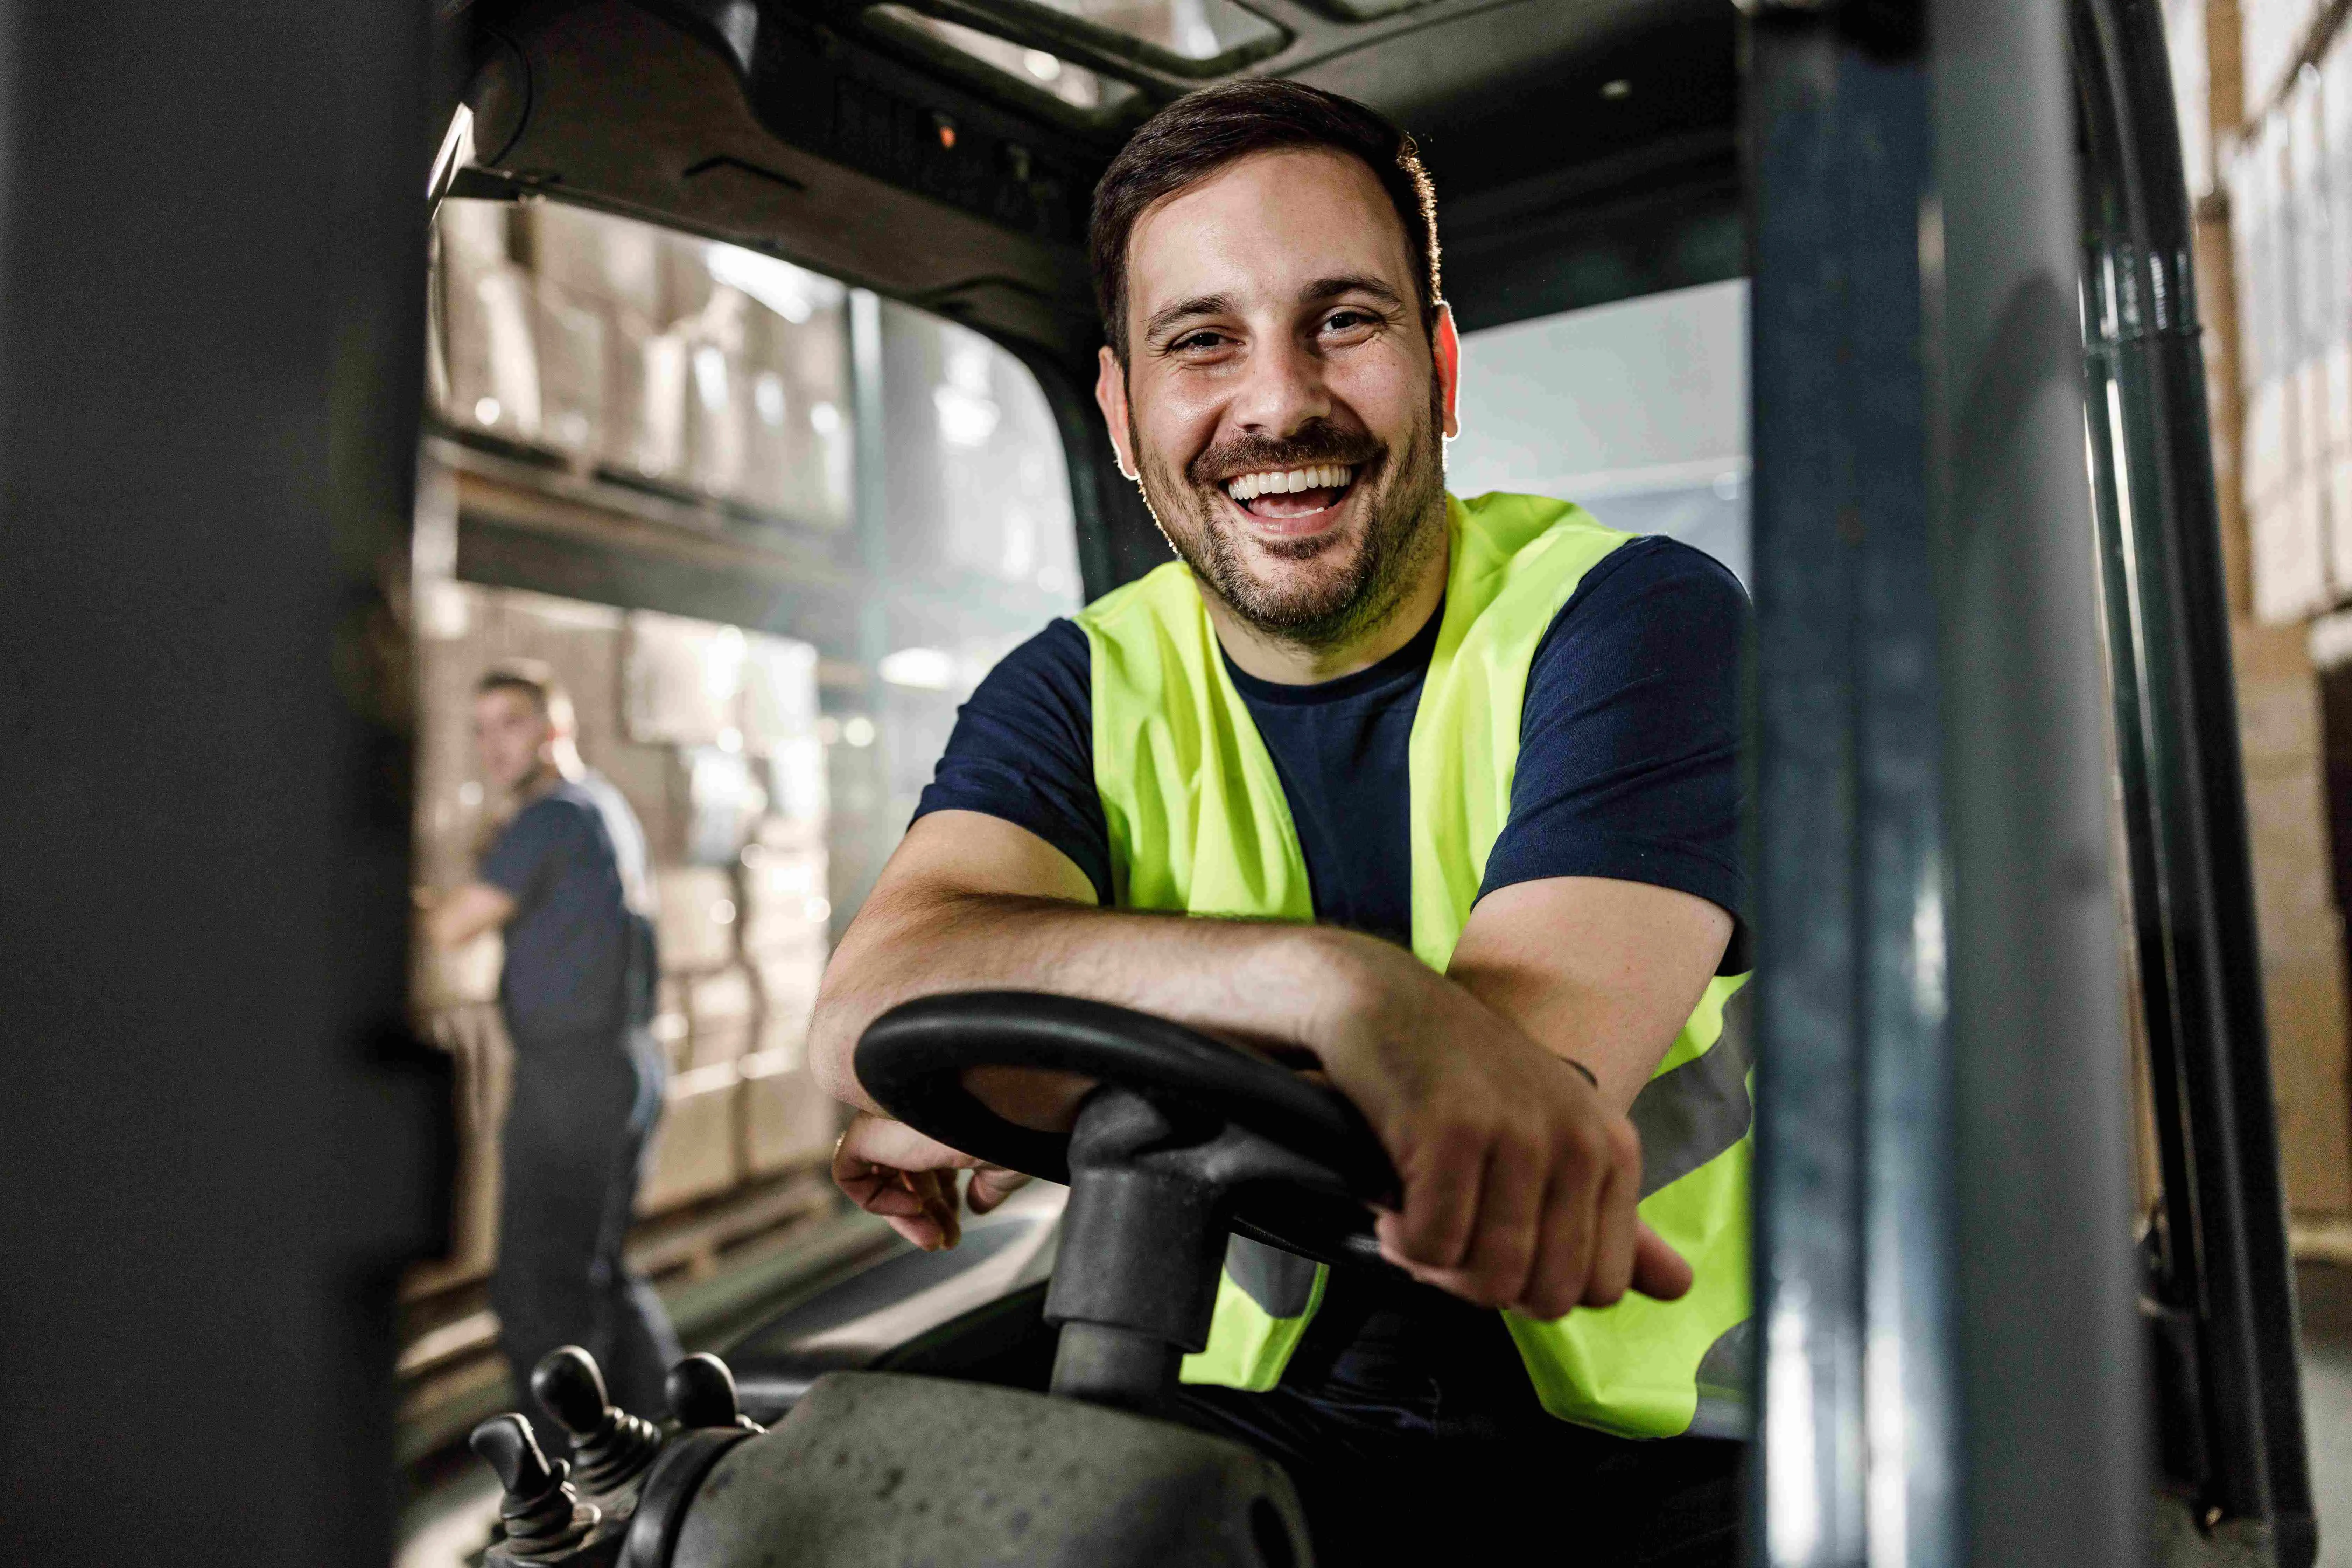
{"points": [[512, 737], [1282, 399]]}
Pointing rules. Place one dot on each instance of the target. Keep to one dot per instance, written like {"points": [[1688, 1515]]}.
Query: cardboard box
{"points": [[474, 1036], [696, 924], [669, 1029], [719, 400], [681, 680], [723, 1009], [787, 913], [780, 699], [788, 1121], [2290, 576], [788, 990], [580, 642], [716, 799], [643, 774], [799, 798], [569, 335], [696, 1151]]}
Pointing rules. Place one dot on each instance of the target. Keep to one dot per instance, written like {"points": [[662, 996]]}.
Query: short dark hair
{"points": [[535, 678], [1202, 131]]}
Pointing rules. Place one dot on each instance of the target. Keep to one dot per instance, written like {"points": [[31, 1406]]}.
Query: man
{"points": [[1461, 779], [566, 881]]}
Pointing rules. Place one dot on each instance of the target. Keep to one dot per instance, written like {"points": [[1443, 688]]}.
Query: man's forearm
{"points": [[1278, 987]]}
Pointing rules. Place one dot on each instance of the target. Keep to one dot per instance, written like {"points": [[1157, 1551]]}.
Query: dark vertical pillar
{"points": [[2056, 1462], [211, 1161], [1859, 1424]]}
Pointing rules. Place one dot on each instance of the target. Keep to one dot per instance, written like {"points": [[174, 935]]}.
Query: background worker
{"points": [[566, 882], [1460, 781]]}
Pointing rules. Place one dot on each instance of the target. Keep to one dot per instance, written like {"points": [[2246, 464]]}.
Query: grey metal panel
{"points": [[1859, 1426], [2055, 1455], [212, 257]]}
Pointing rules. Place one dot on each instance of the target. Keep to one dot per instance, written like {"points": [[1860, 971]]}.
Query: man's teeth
{"points": [[1325, 476]]}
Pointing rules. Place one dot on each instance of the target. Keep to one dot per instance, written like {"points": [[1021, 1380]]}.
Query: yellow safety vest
{"points": [[1199, 823]]}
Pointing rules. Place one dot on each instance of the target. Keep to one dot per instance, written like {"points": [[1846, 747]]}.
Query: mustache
{"points": [[1317, 441]]}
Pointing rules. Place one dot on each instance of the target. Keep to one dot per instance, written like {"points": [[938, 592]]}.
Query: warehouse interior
{"points": [[287, 465], [772, 528]]}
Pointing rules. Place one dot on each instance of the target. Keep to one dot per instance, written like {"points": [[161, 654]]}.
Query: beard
{"points": [[1331, 594]]}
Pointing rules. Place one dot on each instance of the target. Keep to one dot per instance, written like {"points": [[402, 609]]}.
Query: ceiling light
{"points": [[924, 668]]}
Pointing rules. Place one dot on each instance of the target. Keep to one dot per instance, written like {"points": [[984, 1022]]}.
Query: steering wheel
{"points": [[914, 1057]]}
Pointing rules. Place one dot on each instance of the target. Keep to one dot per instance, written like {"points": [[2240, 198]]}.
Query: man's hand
{"points": [[456, 917], [1519, 1180], [889, 1169]]}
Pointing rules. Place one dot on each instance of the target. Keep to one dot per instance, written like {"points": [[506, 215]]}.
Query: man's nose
{"points": [[1282, 389]]}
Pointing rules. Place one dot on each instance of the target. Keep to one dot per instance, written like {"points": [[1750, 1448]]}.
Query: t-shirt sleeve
{"points": [[1629, 742], [526, 853], [1022, 751]]}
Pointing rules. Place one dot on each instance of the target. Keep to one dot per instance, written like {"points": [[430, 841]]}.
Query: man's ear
{"points": [[1445, 345], [1110, 396]]}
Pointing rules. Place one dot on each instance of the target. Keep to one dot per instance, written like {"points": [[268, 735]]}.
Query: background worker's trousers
{"points": [[576, 1130]]}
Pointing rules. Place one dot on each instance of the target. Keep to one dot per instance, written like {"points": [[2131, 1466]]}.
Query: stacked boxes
{"points": [[2291, 206], [711, 733], [647, 354]]}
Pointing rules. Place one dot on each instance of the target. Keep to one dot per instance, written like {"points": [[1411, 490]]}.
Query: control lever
{"points": [[610, 1449], [543, 1516], [701, 1393]]}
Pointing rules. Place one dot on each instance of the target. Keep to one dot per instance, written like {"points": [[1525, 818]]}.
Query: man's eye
{"points": [[1348, 320], [1194, 342]]}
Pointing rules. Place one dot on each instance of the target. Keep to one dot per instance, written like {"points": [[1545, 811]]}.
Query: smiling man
{"points": [[1457, 781]]}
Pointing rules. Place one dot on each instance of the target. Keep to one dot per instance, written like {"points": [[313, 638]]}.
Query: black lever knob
{"points": [[702, 1393], [540, 1511], [610, 1447]]}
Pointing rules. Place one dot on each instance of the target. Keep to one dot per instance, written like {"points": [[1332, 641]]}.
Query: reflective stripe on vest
{"points": [[1199, 823]]}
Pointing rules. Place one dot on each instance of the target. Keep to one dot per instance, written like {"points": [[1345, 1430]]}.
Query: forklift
{"points": [[1990, 604]]}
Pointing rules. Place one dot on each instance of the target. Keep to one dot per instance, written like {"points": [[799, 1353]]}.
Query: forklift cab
{"points": [[1966, 235], [943, 154]]}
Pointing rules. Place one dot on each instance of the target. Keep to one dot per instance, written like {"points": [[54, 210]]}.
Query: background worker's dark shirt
{"points": [[567, 860], [1628, 768]]}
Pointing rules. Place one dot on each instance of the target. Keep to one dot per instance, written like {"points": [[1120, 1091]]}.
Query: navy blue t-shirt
{"points": [[1628, 760], [1628, 768], [569, 861]]}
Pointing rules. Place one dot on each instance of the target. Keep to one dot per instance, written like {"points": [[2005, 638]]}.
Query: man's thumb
{"points": [[1659, 1271]]}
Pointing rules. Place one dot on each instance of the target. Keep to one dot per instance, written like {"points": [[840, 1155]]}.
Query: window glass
{"points": [[646, 356], [1190, 29], [767, 533], [1074, 85], [1637, 411], [981, 541], [1202, 31], [632, 359]]}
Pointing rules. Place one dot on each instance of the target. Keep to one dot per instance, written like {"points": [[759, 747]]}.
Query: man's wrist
{"points": [[1352, 989]]}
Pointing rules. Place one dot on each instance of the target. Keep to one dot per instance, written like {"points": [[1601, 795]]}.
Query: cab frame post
{"points": [[219, 1140], [1854, 1253], [1948, 1338]]}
